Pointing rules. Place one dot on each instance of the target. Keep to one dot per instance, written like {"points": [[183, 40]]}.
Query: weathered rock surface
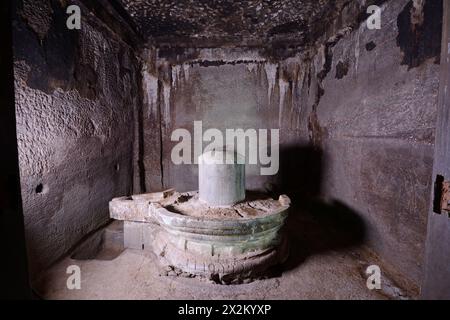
{"points": [[77, 92]]}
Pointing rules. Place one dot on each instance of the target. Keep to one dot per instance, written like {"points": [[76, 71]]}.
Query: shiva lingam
{"points": [[219, 232]]}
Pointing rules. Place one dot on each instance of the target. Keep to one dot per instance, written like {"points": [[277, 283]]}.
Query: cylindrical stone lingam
{"points": [[221, 181]]}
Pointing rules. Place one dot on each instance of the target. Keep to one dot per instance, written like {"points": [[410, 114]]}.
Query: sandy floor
{"points": [[136, 275], [327, 261]]}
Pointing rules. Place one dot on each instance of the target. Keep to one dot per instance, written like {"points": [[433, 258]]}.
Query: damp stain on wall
{"points": [[420, 31]]}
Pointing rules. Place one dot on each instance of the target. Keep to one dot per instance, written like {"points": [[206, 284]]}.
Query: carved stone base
{"points": [[242, 242]]}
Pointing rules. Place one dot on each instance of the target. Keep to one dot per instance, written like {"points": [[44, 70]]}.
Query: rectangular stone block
{"points": [[132, 235], [139, 235]]}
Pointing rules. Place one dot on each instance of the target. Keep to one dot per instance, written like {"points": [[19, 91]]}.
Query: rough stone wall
{"points": [[223, 88], [374, 120], [76, 96], [356, 113]]}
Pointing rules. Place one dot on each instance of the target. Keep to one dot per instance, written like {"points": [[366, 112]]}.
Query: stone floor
{"points": [[135, 275], [325, 263]]}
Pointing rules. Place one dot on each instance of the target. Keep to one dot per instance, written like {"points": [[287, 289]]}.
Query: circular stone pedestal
{"points": [[227, 245]]}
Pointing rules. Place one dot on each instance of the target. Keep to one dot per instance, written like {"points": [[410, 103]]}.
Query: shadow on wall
{"points": [[300, 174], [313, 225]]}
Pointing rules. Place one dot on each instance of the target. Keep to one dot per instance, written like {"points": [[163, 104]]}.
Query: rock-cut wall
{"points": [[76, 98]]}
